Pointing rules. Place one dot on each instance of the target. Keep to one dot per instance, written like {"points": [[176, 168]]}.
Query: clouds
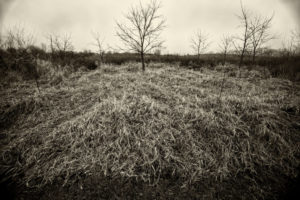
{"points": [[4, 5], [80, 17], [294, 5]]}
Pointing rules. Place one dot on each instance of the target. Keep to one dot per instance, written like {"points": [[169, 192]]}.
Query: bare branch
{"points": [[60, 43], [199, 42], [260, 33], [242, 42], [99, 44], [142, 33], [225, 45], [291, 44], [16, 37]]}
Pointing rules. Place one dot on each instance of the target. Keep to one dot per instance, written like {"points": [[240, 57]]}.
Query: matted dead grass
{"points": [[163, 124]]}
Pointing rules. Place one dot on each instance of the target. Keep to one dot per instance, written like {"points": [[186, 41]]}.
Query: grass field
{"points": [[119, 133]]}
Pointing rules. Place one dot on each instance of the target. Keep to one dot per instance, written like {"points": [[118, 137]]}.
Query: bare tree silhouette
{"points": [[99, 43], [245, 38], [260, 33], [60, 43], [142, 32], [296, 36], [63, 43], [225, 45], [17, 38], [199, 42], [59, 46], [289, 45]]}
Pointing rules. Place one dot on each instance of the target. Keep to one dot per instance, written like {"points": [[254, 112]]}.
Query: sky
{"points": [[80, 18]]}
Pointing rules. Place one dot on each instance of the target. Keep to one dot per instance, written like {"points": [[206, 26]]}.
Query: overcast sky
{"points": [[184, 17]]}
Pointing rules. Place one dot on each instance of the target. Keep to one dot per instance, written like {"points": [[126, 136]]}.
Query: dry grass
{"points": [[164, 123]]}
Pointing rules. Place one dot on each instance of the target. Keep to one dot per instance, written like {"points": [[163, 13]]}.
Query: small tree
{"points": [[99, 44], [225, 45], [21, 57], [260, 33], [17, 38], [199, 43], [60, 45], [63, 43], [289, 46], [296, 36], [141, 33], [244, 39]]}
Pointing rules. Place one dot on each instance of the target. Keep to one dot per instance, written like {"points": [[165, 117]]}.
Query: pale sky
{"points": [[183, 18]]}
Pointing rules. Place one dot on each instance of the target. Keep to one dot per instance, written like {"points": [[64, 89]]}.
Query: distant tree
{"points": [[289, 46], [21, 57], [141, 33], [50, 38], [17, 38], [99, 43], [63, 43], [296, 36], [244, 39], [260, 33], [225, 45], [60, 43], [199, 43], [59, 46]]}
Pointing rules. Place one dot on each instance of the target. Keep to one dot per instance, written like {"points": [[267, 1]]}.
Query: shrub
{"points": [[88, 62]]}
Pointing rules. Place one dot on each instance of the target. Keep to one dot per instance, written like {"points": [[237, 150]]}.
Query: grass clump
{"points": [[164, 124]]}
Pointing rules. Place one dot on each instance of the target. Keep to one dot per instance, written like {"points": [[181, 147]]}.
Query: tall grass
{"points": [[165, 123]]}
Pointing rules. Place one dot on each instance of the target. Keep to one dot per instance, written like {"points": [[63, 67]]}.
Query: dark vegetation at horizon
{"points": [[280, 65]]}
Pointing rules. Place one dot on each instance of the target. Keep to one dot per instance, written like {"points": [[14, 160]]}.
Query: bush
{"points": [[88, 62]]}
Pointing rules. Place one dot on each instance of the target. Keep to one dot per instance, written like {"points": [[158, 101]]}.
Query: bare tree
{"points": [[22, 59], [289, 45], [246, 36], [260, 33], [59, 43], [59, 46], [225, 45], [296, 36], [10, 40], [142, 32], [63, 43], [50, 38], [99, 44], [199, 42], [17, 38]]}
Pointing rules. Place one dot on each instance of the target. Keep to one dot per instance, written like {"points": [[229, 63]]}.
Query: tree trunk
{"points": [[241, 61], [242, 57], [253, 55], [143, 61], [224, 61], [37, 84]]}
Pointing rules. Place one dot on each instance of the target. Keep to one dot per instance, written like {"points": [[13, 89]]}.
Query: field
{"points": [[167, 133]]}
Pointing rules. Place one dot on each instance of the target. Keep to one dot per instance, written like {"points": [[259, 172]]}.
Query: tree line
{"points": [[141, 34]]}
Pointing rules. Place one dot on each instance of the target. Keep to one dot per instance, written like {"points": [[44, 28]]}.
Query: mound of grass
{"points": [[164, 124]]}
